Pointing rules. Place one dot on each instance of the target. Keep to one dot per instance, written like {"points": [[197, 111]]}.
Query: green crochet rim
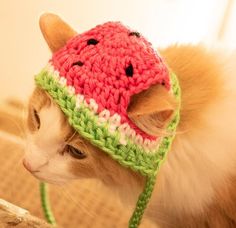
{"points": [[130, 155]]}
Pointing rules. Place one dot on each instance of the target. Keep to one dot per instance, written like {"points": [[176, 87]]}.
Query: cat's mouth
{"points": [[54, 180], [39, 176]]}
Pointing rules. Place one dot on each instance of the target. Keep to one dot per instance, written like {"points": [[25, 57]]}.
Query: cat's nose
{"points": [[27, 165]]}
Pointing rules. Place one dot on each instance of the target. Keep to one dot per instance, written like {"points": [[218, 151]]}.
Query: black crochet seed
{"points": [[134, 34], [79, 63], [163, 83], [129, 70], [92, 42]]}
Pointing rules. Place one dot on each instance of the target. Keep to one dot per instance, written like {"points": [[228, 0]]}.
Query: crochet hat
{"points": [[93, 77]]}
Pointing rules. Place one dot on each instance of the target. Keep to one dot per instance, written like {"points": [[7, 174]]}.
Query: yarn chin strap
{"points": [[46, 204], [163, 150], [142, 202], [135, 219], [145, 196]]}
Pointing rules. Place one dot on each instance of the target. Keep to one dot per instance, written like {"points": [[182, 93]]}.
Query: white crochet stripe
{"points": [[113, 122]]}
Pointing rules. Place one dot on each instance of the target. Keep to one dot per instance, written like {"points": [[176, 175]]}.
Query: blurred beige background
{"points": [[24, 52]]}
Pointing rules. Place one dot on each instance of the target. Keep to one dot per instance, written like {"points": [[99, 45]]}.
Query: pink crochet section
{"points": [[109, 64]]}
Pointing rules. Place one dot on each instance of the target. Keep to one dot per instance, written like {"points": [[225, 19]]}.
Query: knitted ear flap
{"points": [[55, 31], [151, 110]]}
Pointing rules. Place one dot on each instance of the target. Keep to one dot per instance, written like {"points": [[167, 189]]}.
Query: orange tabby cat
{"points": [[196, 184]]}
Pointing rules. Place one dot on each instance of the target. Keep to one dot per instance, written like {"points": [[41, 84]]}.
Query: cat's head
{"points": [[57, 153]]}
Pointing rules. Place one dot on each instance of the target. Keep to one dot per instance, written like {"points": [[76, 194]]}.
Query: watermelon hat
{"points": [[92, 79]]}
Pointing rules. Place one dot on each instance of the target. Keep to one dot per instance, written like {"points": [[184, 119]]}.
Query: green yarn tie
{"points": [[142, 202], [45, 204], [164, 148]]}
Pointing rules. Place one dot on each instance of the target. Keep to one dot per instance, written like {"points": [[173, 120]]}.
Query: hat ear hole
{"points": [[152, 110]]}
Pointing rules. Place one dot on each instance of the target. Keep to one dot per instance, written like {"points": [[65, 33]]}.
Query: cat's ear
{"points": [[151, 110], [55, 31]]}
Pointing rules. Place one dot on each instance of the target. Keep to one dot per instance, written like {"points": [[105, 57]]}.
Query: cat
{"points": [[196, 184]]}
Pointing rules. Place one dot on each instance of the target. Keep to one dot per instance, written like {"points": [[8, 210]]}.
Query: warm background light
{"points": [[24, 52]]}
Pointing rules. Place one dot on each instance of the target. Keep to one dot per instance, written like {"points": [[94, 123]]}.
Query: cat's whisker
{"points": [[19, 127], [80, 205], [71, 137], [24, 119], [22, 133], [24, 113], [19, 163], [87, 207]]}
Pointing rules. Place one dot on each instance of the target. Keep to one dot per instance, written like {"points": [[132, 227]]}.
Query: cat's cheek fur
{"points": [[57, 170], [54, 169], [44, 146], [34, 157]]}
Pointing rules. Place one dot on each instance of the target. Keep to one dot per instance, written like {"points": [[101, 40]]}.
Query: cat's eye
{"points": [[75, 153], [36, 117]]}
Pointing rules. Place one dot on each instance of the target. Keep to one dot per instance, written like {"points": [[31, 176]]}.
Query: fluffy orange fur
{"points": [[196, 184], [202, 85]]}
